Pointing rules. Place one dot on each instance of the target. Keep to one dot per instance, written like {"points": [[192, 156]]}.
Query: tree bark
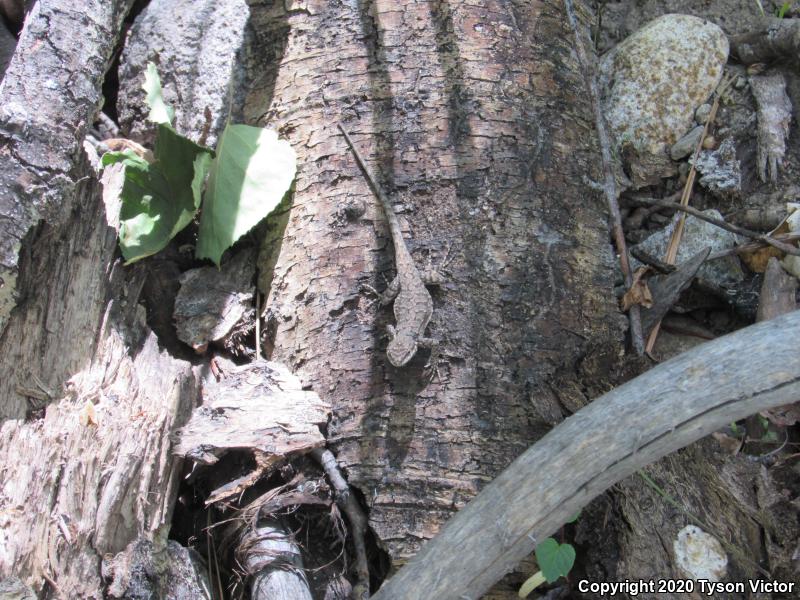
{"points": [[476, 117], [87, 399], [48, 98]]}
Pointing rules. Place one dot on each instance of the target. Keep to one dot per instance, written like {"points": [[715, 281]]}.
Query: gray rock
{"points": [[720, 170], [686, 145], [702, 113], [652, 83], [697, 235]]}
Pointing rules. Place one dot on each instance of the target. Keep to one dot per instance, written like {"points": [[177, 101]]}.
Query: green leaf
{"points": [[160, 112], [159, 199], [555, 560], [574, 517], [531, 584], [252, 172]]}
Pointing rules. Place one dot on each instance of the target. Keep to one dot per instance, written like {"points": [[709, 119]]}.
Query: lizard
{"points": [[413, 305]]}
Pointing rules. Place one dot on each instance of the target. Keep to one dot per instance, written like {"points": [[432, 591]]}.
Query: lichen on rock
{"points": [[652, 83]]}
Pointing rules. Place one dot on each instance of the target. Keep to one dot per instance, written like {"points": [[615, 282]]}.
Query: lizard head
{"points": [[401, 349]]}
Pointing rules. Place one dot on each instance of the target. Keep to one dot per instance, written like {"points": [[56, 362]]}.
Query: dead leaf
{"points": [[729, 444], [757, 260], [122, 144], [783, 416], [638, 293]]}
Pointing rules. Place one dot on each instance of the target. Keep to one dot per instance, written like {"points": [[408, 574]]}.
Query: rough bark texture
{"points": [[475, 115], [48, 98], [91, 472], [194, 44], [776, 38], [97, 469], [258, 407]]}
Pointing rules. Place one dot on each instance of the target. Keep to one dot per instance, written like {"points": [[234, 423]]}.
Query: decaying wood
{"points": [[778, 292], [99, 461], [261, 407], [90, 470], [778, 297], [271, 557], [213, 300], [676, 403], [12, 588], [48, 98], [775, 38], [774, 110], [153, 566]]}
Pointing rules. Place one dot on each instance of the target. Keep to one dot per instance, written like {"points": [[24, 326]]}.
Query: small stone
{"points": [[720, 169], [709, 142], [700, 555], [702, 113], [687, 144]]}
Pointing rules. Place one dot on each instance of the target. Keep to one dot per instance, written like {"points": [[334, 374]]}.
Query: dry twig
{"points": [[754, 235], [752, 246], [358, 521]]}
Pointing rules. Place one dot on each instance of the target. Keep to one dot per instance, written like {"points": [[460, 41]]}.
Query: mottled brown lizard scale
{"points": [[413, 306]]}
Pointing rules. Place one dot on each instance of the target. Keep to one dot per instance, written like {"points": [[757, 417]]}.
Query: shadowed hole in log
{"points": [[111, 81], [297, 497]]}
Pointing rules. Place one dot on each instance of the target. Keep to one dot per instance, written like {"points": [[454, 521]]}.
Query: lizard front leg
{"points": [[433, 276], [388, 295]]}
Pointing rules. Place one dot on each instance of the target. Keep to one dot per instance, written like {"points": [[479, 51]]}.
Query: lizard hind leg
{"points": [[433, 276], [431, 368]]}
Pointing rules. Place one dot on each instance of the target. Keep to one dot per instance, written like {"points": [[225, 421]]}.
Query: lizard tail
{"points": [[391, 218]]}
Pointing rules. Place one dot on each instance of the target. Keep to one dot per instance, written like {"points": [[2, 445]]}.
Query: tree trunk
{"points": [[476, 117]]}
